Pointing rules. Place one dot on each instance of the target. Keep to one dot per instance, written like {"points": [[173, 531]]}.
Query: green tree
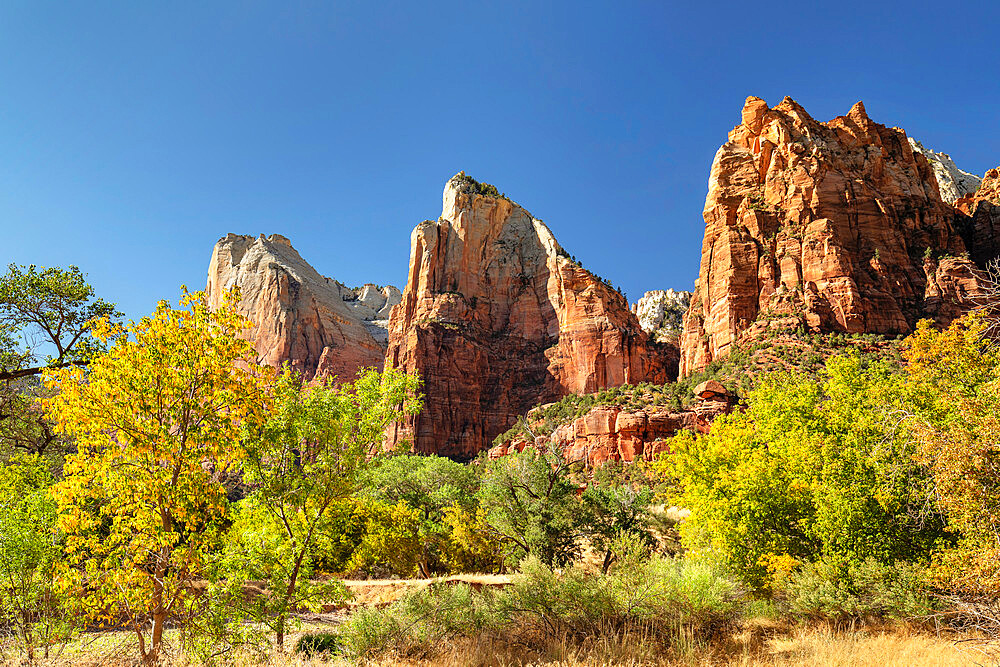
{"points": [[156, 420], [301, 467], [812, 470], [51, 307], [532, 505], [41, 310], [431, 485], [30, 549], [613, 510]]}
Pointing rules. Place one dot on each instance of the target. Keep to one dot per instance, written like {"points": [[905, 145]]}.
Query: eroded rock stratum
{"points": [[832, 227], [496, 318], [317, 325]]}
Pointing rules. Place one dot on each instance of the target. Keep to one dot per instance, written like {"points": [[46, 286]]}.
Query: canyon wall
{"points": [[832, 227], [978, 219], [496, 319], [317, 325]]}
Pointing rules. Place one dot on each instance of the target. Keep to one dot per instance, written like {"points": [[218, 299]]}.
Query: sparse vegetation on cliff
{"points": [[481, 189]]}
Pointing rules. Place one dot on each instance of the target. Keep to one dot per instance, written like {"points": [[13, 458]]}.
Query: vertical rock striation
{"points": [[496, 318], [317, 325], [978, 218], [836, 226]]}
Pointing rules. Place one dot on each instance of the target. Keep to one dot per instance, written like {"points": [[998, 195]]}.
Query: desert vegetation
{"points": [[167, 500]]}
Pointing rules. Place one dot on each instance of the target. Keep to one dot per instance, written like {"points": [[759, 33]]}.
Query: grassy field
{"points": [[754, 643]]}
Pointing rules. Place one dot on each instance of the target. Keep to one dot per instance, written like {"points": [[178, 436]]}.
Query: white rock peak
{"points": [[952, 181], [661, 312]]}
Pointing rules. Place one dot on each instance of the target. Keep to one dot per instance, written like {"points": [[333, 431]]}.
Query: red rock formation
{"points": [[979, 219], [611, 433], [497, 319], [826, 222], [317, 325]]}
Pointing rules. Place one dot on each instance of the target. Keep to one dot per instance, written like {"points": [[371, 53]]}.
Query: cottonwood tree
{"points": [[154, 418], [430, 485], [45, 321], [812, 470], [957, 373], [301, 467], [532, 505]]}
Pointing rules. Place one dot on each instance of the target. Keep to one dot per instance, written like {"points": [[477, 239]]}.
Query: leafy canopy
{"points": [[302, 466], [956, 375], [155, 419], [812, 469], [53, 307]]}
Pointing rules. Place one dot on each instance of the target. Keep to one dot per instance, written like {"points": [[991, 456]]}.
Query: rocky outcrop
{"points": [[661, 313], [613, 433], [953, 183], [317, 325], [496, 318], [838, 226], [978, 219]]}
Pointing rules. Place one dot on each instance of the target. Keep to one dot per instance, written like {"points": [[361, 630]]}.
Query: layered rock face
{"points": [[612, 433], [838, 225], [953, 183], [979, 219], [317, 325], [661, 313], [496, 319]]}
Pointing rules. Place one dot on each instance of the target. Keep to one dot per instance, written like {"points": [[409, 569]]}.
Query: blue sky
{"points": [[134, 134]]}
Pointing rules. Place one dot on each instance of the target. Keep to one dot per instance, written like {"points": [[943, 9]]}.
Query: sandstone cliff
{"points": [[837, 227], [978, 219], [619, 432], [320, 327], [496, 319]]}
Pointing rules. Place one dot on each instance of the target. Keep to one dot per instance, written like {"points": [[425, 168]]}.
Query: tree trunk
{"points": [[159, 612], [608, 559], [279, 635]]}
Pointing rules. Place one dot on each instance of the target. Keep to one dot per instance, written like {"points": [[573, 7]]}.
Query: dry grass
{"points": [[757, 643], [385, 591]]}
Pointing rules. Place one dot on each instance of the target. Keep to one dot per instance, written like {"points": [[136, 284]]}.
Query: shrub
{"points": [[416, 623], [318, 642], [661, 593], [667, 599], [843, 591]]}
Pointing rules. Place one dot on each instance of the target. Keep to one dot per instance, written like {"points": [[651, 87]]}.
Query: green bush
{"points": [[662, 593], [666, 598], [318, 642], [843, 591], [419, 620]]}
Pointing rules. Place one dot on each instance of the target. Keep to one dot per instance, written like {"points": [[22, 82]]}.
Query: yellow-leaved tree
{"points": [[956, 372], [157, 420]]}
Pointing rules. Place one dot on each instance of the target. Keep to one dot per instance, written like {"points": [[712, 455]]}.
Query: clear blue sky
{"points": [[134, 134]]}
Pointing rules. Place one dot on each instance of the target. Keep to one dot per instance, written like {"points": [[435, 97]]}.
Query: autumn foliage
{"points": [[155, 421]]}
